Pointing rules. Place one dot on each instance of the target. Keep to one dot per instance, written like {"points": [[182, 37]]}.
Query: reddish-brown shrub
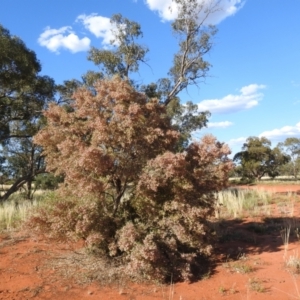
{"points": [[150, 205]]}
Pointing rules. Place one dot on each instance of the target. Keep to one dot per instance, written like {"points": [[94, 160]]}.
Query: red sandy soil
{"points": [[25, 271], [283, 188]]}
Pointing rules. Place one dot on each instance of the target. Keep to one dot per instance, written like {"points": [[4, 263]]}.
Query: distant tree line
{"points": [[258, 159]]}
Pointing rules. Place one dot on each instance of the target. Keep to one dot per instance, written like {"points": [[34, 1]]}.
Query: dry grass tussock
{"points": [[16, 210], [234, 203]]}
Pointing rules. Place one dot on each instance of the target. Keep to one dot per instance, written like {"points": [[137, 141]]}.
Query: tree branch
{"points": [[19, 183]]}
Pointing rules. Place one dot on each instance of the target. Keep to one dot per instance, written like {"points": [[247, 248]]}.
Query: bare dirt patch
{"points": [[275, 188], [250, 262]]}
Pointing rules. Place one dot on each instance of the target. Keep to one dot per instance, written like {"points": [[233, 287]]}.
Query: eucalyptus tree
{"points": [[23, 95], [23, 161], [195, 40], [127, 55], [291, 146], [257, 159], [189, 67], [23, 92]]}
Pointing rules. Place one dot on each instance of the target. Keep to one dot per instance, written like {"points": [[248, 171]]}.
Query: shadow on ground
{"points": [[254, 237]]}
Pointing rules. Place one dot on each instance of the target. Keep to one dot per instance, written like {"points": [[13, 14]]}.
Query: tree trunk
{"points": [[19, 183], [120, 192], [29, 183]]}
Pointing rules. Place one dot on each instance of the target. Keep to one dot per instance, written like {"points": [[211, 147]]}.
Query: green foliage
{"points": [[127, 55], [189, 67], [258, 159], [291, 146], [23, 95], [22, 91], [186, 119], [195, 40], [47, 181]]}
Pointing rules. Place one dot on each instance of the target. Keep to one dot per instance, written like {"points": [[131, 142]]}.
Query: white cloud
{"points": [[282, 133], [64, 37], [275, 136], [237, 143], [167, 9], [248, 97], [99, 26], [223, 124]]}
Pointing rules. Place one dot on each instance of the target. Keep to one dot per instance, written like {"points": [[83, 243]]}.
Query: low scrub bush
{"points": [[159, 240], [70, 218], [128, 191]]}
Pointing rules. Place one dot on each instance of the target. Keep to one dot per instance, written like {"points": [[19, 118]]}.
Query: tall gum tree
{"points": [[195, 40], [23, 92], [291, 146], [23, 96], [257, 159]]}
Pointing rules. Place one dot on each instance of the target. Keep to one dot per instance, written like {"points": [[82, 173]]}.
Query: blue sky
{"points": [[253, 88]]}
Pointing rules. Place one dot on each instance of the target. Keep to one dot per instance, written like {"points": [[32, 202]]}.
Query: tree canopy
{"points": [[127, 55], [23, 91], [23, 96], [257, 159], [291, 146], [195, 39]]}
